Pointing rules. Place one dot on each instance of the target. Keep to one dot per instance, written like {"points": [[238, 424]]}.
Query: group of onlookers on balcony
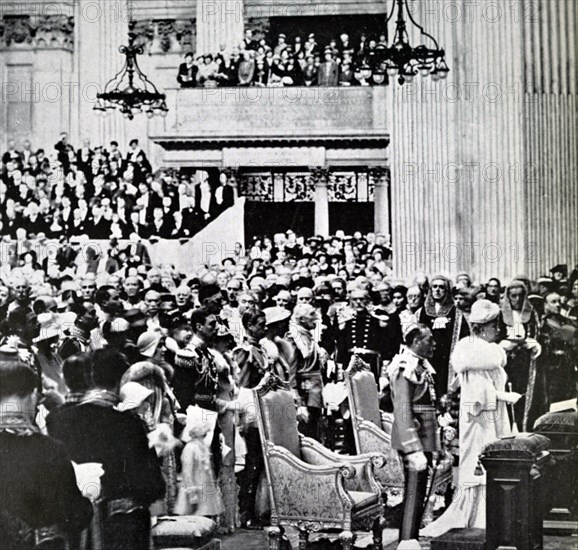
{"points": [[102, 193], [298, 62]]}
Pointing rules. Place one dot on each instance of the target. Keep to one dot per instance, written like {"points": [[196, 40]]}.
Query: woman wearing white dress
{"points": [[479, 365]]}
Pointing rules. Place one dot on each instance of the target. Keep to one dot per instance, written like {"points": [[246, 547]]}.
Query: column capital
{"points": [[380, 174], [319, 174]]}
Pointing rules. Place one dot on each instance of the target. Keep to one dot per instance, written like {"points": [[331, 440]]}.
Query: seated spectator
{"points": [[187, 76]]}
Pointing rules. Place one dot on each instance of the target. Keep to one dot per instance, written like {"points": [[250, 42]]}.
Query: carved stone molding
{"points": [[319, 174], [37, 32], [166, 35]]}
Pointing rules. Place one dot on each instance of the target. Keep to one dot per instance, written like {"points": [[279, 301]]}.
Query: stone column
{"points": [[219, 22], [381, 178], [101, 26], [320, 177]]}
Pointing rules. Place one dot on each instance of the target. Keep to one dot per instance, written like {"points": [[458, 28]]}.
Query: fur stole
{"points": [[473, 353]]}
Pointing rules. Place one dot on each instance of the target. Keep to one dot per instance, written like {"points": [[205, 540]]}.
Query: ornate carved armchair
{"points": [[312, 488], [371, 427], [372, 433]]}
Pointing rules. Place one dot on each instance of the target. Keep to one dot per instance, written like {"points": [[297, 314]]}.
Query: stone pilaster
{"points": [[320, 176]]}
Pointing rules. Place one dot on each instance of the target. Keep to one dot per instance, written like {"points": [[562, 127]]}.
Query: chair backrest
{"points": [[362, 392], [277, 414]]}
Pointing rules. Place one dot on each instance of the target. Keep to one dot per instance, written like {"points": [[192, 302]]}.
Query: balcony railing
{"points": [[272, 114]]}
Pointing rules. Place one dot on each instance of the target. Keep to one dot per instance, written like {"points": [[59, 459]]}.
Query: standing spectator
{"points": [[248, 42], [519, 329], [556, 374], [65, 152], [447, 325], [94, 431], [40, 493], [493, 290], [328, 71], [137, 159]]}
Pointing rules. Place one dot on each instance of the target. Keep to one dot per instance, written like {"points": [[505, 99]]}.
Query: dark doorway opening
{"points": [[327, 27], [351, 217], [268, 218]]}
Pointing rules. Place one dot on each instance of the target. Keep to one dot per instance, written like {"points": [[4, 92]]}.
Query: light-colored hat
{"points": [[276, 315], [484, 311], [147, 343], [119, 325], [132, 395]]}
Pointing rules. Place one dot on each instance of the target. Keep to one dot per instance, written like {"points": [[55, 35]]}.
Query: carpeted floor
{"points": [[257, 540]]}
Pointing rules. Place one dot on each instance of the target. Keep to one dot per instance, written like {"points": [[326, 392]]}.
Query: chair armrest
{"points": [[375, 431], [364, 464], [308, 490], [371, 438], [316, 449]]}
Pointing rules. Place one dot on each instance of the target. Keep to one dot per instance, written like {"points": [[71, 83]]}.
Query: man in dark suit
{"points": [[187, 76], [248, 42], [64, 149], [162, 226], [94, 431], [66, 215], [138, 160], [84, 157], [328, 72], [12, 155], [98, 226]]}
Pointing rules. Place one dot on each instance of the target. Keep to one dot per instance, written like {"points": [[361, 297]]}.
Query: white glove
{"points": [[509, 397], [416, 462], [534, 347], [302, 414]]}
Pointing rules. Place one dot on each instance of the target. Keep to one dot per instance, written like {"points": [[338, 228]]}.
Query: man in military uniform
{"points": [[374, 338], [252, 364], [197, 376], [415, 433]]}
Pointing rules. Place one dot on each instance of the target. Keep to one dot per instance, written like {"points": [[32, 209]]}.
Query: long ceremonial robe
{"points": [[483, 419]]}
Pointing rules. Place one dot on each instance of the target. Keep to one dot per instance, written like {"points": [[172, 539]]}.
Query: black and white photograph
{"points": [[288, 275]]}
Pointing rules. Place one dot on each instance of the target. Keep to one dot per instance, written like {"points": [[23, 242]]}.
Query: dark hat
{"points": [[560, 268]]}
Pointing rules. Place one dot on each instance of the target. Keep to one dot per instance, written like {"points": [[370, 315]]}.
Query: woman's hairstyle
{"points": [[251, 316]]}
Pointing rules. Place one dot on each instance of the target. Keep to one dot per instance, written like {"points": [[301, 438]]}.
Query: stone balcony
{"points": [[293, 116]]}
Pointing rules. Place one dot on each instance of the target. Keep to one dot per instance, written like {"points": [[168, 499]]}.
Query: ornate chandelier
{"points": [[405, 60], [130, 90]]}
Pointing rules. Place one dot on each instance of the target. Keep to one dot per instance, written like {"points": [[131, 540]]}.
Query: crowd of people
{"points": [[341, 62], [118, 366], [101, 192]]}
